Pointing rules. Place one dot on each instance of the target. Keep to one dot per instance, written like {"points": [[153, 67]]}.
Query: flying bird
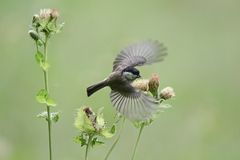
{"points": [[127, 100]]}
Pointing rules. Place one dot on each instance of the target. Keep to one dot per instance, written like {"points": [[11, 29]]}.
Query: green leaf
{"points": [[81, 139], [95, 141], [113, 129], [106, 133], [42, 96], [51, 27], [55, 116], [43, 115], [50, 102], [44, 66], [138, 124], [99, 142], [60, 27], [41, 61], [43, 23], [39, 57], [39, 42]]}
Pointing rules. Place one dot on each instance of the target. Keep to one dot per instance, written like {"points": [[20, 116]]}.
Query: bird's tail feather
{"points": [[94, 88]]}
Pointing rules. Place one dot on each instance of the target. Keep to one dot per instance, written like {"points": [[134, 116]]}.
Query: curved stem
{"points": [[116, 141], [87, 147], [138, 138]]}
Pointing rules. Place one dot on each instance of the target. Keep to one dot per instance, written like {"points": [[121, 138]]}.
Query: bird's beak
{"points": [[138, 76]]}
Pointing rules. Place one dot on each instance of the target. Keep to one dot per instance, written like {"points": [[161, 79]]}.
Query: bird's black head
{"points": [[133, 73]]}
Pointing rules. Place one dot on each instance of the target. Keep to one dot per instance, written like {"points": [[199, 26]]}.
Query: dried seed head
{"points": [[54, 14], [141, 84], [167, 93], [33, 34], [45, 13], [88, 111], [154, 84]]}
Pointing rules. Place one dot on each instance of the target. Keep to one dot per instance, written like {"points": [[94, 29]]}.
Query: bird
{"points": [[131, 102]]}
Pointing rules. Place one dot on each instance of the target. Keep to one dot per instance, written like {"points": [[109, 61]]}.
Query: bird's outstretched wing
{"points": [[138, 54], [134, 105]]}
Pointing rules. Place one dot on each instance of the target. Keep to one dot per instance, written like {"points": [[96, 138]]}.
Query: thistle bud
{"points": [[167, 93], [89, 122], [35, 19], [34, 35], [154, 84], [141, 84]]}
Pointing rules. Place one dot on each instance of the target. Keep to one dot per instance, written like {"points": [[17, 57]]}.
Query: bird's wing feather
{"points": [[138, 54], [135, 105]]}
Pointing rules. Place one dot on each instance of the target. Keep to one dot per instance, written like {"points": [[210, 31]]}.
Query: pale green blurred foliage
{"points": [[202, 66]]}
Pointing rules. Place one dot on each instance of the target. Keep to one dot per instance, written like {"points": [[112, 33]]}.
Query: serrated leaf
{"points": [[42, 96], [93, 142], [50, 102], [96, 141], [80, 139], [42, 115], [55, 116]]}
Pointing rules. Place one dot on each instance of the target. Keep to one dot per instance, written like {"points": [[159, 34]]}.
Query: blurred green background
{"points": [[203, 66]]}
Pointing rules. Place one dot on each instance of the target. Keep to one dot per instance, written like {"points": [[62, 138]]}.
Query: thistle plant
{"points": [[44, 25], [151, 87], [92, 128]]}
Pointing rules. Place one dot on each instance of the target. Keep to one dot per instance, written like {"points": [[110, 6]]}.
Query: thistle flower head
{"points": [[154, 84], [45, 24], [167, 93], [54, 13], [90, 123], [141, 84], [45, 13]]}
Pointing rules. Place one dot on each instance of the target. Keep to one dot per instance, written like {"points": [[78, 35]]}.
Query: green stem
{"points": [[116, 141], [87, 147], [45, 72], [138, 138]]}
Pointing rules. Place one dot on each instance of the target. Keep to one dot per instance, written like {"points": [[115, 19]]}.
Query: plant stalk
{"points": [[45, 72], [116, 141], [138, 138], [87, 147]]}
